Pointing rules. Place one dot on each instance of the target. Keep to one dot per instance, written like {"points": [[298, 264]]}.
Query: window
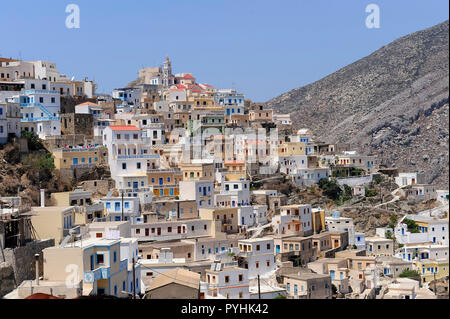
{"points": [[100, 259], [268, 246], [227, 279], [257, 265], [241, 277]]}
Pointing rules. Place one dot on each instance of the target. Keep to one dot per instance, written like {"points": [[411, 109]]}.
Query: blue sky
{"points": [[263, 48]]}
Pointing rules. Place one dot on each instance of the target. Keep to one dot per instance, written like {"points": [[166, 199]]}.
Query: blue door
{"points": [[75, 161], [332, 274], [135, 185], [204, 191], [161, 181], [277, 249]]}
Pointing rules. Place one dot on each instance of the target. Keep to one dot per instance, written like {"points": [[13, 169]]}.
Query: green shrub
{"points": [[412, 225], [34, 142], [330, 188], [409, 274], [370, 192]]}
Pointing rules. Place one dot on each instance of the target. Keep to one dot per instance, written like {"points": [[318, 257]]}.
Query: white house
{"points": [[227, 281], [113, 207], [201, 191], [40, 108], [129, 156], [9, 121], [258, 256], [431, 230], [404, 179], [338, 223]]}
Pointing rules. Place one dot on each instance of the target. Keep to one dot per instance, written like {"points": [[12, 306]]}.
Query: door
{"points": [[161, 181], [179, 229], [135, 185], [159, 231], [277, 249], [92, 262]]}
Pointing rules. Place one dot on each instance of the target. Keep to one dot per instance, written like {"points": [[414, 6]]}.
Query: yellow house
{"points": [[78, 157], [430, 269], [292, 148], [86, 210], [197, 171], [318, 220], [53, 222], [97, 263], [227, 217], [165, 182]]}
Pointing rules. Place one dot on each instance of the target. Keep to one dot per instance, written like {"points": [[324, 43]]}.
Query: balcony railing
{"points": [[93, 275], [142, 156], [40, 92], [37, 119]]}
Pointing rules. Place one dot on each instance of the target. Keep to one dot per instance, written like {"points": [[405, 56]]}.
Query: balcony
{"points": [[102, 272], [38, 119], [142, 156], [93, 275], [227, 222], [40, 92]]}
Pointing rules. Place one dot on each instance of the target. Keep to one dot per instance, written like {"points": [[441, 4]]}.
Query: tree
{"points": [[370, 192], [330, 188], [34, 142], [280, 297], [393, 221], [412, 225], [333, 289], [388, 234], [347, 193], [378, 179]]}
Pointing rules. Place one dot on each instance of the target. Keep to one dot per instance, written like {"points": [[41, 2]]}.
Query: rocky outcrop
{"points": [[393, 103]]}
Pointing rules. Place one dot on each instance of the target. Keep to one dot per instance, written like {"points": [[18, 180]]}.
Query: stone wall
{"points": [[355, 181], [100, 187], [22, 261], [56, 142], [7, 280], [75, 124]]}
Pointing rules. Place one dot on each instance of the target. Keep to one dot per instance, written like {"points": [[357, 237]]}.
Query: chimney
{"points": [[36, 256], [42, 197]]}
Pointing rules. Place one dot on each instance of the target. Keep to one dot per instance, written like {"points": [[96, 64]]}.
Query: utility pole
{"points": [[134, 280], [259, 289]]}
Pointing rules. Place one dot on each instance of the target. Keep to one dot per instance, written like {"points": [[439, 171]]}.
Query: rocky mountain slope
{"points": [[393, 103]]}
